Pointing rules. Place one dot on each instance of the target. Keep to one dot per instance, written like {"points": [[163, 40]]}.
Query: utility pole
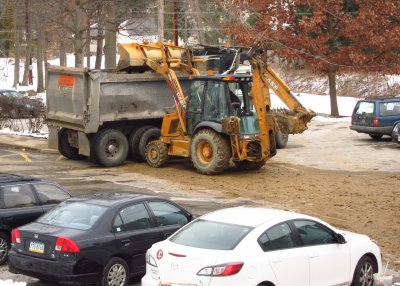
{"points": [[174, 22], [160, 21]]}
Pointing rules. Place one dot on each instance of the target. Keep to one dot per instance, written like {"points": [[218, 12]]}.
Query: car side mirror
{"points": [[340, 238]]}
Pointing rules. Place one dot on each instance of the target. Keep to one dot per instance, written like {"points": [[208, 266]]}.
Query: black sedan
{"points": [[98, 238]]}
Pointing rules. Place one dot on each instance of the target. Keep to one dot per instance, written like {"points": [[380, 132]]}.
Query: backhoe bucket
{"points": [[290, 122]]}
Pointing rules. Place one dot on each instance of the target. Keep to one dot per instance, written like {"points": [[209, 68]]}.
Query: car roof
{"points": [[383, 99], [108, 199], [250, 216], [9, 178]]}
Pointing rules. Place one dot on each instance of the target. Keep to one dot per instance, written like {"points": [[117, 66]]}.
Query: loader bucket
{"points": [[133, 56]]}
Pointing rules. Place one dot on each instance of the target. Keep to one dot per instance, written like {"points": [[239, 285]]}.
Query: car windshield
{"points": [[73, 215], [211, 235]]}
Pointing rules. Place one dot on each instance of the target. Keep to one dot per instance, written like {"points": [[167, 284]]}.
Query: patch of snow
{"points": [[10, 282]]}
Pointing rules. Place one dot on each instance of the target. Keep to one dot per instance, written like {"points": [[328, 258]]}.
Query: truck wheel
{"points": [[281, 139], [156, 154], [149, 135], [210, 152], [134, 140], [249, 165], [110, 148], [67, 150]]}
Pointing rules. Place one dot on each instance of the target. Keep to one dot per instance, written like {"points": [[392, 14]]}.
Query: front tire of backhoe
{"points": [[210, 152], [156, 153]]}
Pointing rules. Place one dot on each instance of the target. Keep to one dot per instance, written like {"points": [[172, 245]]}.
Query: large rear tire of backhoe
{"points": [[110, 148], [156, 154], [210, 152], [249, 165], [67, 150]]}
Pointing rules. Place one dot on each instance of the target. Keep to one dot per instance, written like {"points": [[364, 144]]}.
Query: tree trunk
{"points": [[88, 46], [63, 55], [25, 80], [39, 57], [17, 46], [110, 47], [332, 94], [78, 39], [99, 47], [196, 14]]}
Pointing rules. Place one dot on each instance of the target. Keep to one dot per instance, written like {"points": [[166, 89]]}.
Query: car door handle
{"points": [[277, 260], [8, 218], [126, 242]]}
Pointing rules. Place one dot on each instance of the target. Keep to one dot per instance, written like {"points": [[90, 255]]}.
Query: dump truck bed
{"points": [[84, 100]]}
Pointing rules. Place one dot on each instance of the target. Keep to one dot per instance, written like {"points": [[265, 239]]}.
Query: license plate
{"points": [[37, 247]]}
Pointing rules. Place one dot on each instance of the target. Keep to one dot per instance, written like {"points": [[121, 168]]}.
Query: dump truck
{"points": [[210, 119]]}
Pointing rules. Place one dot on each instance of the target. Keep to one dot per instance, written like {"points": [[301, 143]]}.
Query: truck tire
{"points": [[110, 148], [249, 165], [65, 149], [156, 154], [148, 135], [134, 140], [210, 152], [281, 139]]}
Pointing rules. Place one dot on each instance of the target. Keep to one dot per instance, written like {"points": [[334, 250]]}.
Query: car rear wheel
{"points": [[363, 274], [375, 136], [116, 273], [3, 248]]}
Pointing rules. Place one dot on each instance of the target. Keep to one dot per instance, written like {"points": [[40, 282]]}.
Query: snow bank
{"points": [[10, 282]]}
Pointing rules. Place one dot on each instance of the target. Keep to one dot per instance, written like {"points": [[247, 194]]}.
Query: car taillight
{"points": [[376, 122], [66, 245], [15, 236], [221, 270]]}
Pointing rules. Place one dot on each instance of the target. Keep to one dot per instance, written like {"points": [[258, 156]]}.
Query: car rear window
{"points": [[73, 215], [211, 235], [366, 108]]}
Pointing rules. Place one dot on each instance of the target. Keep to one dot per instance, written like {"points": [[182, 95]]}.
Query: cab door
{"points": [[194, 108]]}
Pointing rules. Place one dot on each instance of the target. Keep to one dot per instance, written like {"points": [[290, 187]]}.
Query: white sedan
{"points": [[261, 247]]}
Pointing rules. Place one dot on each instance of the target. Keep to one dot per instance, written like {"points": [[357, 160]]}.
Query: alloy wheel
{"points": [[116, 275]]}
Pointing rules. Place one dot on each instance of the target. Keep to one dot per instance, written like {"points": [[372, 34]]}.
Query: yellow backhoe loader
{"points": [[223, 117]]}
